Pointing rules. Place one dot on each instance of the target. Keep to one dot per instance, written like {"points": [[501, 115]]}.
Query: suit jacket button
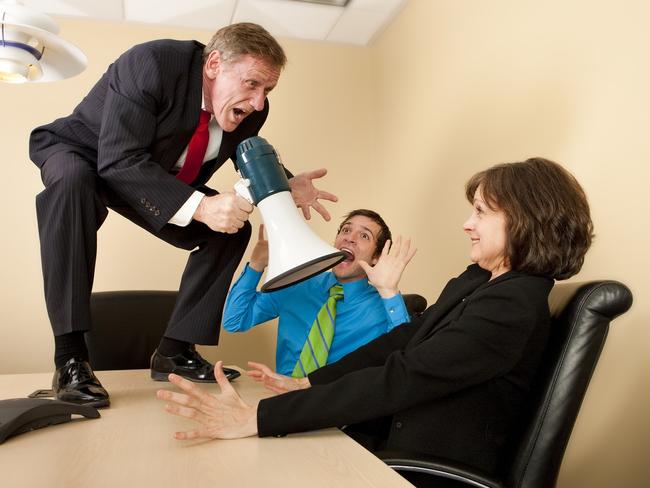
{"points": [[398, 425]]}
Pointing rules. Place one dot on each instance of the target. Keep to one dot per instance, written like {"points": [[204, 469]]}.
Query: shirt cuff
{"points": [[183, 217], [396, 309], [250, 277]]}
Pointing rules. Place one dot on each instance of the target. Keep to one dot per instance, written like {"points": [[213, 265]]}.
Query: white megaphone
{"points": [[295, 252]]}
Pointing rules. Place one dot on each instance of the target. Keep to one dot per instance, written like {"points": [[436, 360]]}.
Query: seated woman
{"points": [[452, 382]]}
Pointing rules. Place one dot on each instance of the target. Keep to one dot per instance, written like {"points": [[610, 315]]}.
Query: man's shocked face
{"points": [[358, 238], [234, 89]]}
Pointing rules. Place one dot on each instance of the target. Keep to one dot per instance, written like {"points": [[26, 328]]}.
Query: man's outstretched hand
{"points": [[307, 196]]}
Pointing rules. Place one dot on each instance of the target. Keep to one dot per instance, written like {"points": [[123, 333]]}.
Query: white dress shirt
{"points": [[184, 215]]}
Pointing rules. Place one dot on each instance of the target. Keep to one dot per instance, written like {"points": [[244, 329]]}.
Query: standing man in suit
{"points": [[137, 144]]}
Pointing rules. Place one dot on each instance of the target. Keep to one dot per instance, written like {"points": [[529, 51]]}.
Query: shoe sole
{"points": [[158, 376], [97, 403]]}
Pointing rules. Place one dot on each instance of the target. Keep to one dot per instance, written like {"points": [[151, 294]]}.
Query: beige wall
{"points": [[464, 84], [449, 88]]}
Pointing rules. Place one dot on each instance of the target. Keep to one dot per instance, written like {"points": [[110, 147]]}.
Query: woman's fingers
{"points": [[222, 381], [186, 412], [188, 387], [263, 368], [190, 434]]}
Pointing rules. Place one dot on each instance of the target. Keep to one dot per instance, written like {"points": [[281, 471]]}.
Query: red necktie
{"points": [[196, 150]]}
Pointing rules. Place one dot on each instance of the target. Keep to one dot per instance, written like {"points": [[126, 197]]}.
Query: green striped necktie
{"points": [[317, 347]]}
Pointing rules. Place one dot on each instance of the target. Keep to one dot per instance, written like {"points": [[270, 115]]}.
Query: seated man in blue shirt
{"points": [[371, 303]]}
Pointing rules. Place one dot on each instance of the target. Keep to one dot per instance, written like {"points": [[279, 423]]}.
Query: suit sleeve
{"points": [[484, 342], [129, 120], [374, 353]]}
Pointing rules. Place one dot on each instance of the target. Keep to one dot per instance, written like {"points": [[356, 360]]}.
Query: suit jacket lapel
{"points": [[455, 292], [188, 119]]}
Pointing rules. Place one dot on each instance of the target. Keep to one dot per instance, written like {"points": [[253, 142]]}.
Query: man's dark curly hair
{"points": [[384, 231]]}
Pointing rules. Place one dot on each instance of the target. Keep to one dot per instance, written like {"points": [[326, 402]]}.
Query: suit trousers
{"points": [[72, 208]]}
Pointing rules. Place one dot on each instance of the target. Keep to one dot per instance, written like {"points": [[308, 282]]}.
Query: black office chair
{"points": [[127, 327], [581, 314], [415, 304]]}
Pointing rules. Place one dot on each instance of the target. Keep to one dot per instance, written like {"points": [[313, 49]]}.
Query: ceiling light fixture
{"points": [[31, 51]]}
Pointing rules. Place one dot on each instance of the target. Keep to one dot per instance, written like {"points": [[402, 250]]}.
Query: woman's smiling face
{"points": [[486, 227]]}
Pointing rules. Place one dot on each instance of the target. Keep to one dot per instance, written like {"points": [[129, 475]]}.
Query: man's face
{"points": [[358, 236], [233, 90]]}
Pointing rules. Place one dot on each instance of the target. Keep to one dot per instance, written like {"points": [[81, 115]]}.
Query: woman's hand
{"points": [[306, 195], [260, 255], [274, 381], [387, 272], [222, 416]]}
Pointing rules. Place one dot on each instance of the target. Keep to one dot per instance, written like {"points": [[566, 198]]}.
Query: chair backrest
{"points": [[581, 314], [127, 327], [415, 304]]}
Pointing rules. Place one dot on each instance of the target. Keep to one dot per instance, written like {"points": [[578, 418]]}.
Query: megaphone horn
{"points": [[295, 252]]}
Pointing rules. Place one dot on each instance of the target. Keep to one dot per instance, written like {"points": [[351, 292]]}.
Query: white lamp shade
{"points": [[27, 36]]}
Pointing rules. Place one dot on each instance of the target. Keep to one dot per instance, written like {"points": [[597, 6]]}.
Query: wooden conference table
{"points": [[132, 445]]}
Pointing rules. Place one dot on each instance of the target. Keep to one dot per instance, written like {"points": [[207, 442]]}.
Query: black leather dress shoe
{"points": [[188, 364], [75, 382]]}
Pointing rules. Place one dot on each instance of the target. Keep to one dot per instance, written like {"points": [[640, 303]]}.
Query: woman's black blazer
{"points": [[452, 381]]}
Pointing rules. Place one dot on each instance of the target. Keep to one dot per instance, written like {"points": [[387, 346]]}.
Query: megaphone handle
{"points": [[241, 188]]}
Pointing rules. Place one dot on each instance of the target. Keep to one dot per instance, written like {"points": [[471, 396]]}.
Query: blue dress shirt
{"points": [[361, 316]]}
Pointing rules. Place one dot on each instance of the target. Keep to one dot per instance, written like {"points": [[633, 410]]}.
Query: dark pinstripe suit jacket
{"points": [[452, 381], [135, 123]]}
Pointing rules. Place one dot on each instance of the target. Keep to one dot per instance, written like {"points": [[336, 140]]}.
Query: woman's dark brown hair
{"points": [[548, 224]]}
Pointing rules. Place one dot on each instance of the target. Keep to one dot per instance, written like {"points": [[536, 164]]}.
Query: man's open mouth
{"points": [[349, 255]]}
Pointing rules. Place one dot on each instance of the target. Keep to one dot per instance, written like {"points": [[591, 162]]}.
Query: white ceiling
{"points": [[357, 23]]}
